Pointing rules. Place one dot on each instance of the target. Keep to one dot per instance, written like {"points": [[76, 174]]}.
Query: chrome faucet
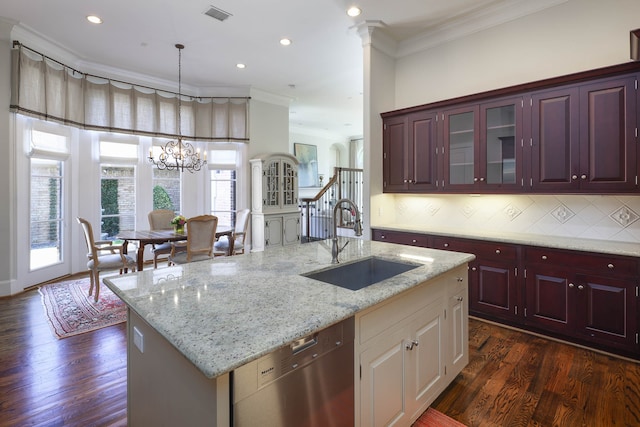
{"points": [[335, 250]]}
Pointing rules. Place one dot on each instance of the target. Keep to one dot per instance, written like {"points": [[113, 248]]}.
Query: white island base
{"points": [[408, 349]]}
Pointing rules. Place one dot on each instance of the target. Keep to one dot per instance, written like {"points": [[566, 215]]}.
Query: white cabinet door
{"points": [[426, 358], [458, 318], [272, 231], [291, 229], [382, 390]]}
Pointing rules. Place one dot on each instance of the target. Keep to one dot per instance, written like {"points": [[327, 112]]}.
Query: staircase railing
{"points": [[317, 211]]}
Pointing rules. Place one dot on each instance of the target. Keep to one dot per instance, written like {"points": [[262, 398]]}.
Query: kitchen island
{"points": [[191, 325]]}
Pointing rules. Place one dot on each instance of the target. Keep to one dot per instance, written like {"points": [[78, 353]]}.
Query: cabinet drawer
{"points": [[412, 239], [486, 250], [601, 264]]}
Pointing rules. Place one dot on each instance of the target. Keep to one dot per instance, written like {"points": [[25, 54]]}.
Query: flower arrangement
{"points": [[179, 220]]}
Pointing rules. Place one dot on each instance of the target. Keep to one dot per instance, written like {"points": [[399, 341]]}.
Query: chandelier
{"points": [[179, 155]]}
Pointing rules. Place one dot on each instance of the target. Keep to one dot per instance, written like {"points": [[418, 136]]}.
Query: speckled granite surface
{"points": [[224, 313], [587, 245]]}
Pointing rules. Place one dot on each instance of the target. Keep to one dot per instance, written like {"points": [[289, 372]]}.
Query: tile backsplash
{"points": [[615, 218]]}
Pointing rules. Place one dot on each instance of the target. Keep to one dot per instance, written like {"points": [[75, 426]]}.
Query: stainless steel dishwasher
{"points": [[309, 383]]}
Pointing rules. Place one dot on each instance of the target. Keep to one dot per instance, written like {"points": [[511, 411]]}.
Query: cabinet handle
{"points": [[473, 269], [405, 181], [475, 179], [481, 179], [580, 287], [610, 265], [498, 251], [574, 176], [414, 241], [383, 237], [459, 298], [544, 257], [460, 279], [410, 345], [583, 176], [446, 245], [571, 285]]}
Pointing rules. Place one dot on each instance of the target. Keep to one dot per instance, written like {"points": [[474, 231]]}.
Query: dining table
{"points": [[156, 237]]}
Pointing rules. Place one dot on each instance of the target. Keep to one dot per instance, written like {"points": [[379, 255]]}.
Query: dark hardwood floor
{"points": [[513, 379], [76, 381], [516, 379]]}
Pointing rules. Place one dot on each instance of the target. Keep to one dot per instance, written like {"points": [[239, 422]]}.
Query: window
{"points": [[48, 148], [223, 174], [46, 212], [166, 185], [117, 188]]}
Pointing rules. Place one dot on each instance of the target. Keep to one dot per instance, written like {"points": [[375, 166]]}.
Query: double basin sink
{"points": [[360, 274]]}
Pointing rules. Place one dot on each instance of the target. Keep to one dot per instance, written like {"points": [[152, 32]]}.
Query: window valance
{"points": [[44, 88]]}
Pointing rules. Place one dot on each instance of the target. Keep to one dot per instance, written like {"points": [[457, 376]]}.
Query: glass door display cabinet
{"points": [[483, 147]]}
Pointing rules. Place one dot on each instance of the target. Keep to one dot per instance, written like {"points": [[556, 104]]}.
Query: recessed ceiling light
{"points": [[240, 65], [94, 19], [285, 42], [354, 11]]}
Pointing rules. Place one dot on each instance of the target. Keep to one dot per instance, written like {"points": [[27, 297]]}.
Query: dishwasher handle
{"points": [[304, 343]]}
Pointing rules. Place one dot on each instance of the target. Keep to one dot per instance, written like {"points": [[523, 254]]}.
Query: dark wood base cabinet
{"points": [[586, 298], [589, 297]]}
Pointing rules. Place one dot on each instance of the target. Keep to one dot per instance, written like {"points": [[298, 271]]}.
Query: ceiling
{"points": [[320, 75]]}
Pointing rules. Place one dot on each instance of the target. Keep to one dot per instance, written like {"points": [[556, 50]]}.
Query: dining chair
{"points": [[103, 255], [201, 233], [160, 219], [221, 246]]}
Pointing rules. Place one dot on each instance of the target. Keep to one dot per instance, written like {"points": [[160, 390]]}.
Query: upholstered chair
{"points": [[221, 246], [160, 219], [201, 233], [103, 255]]}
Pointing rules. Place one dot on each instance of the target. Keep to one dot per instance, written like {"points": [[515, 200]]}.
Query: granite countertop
{"points": [[223, 313], [557, 242]]}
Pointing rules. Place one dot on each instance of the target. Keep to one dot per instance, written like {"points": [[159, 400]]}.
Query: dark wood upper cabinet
{"points": [[555, 140], [395, 154], [409, 153], [575, 134], [607, 136]]}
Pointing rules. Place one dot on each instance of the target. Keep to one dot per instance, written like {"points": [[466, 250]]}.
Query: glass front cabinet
{"points": [[275, 212], [483, 147]]}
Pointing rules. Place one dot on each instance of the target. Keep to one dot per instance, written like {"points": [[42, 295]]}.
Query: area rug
{"points": [[71, 311], [433, 418]]}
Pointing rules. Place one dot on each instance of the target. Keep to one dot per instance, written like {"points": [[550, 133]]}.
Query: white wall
{"points": [[574, 36], [268, 127], [7, 189]]}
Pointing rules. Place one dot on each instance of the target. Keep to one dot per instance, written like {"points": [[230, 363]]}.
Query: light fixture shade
{"points": [[635, 44]]}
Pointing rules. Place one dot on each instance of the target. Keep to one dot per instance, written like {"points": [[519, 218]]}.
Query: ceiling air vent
{"points": [[218, 14]]}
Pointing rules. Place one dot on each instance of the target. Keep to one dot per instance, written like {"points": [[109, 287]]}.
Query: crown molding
{"points": [[473, 22]]}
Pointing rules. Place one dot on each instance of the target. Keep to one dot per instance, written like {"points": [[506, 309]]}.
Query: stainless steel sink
{"points": [[360, 274]]}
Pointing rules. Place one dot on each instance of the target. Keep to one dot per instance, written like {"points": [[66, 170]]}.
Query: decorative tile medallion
{"points": [[468, 210], [432, 209], [624, 216], [511, 212], [562, 214]]}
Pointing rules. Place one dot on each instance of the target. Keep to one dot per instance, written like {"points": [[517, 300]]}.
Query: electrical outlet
{"points": [[138, 339]]}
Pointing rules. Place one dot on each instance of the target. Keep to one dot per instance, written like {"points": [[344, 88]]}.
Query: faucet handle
{"points": [[341, 249]]}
